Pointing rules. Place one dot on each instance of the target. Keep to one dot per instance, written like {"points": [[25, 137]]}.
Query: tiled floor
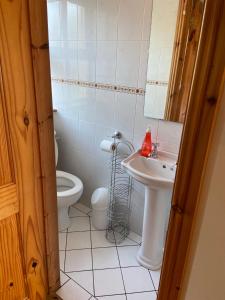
{"points": [[93, 268]]}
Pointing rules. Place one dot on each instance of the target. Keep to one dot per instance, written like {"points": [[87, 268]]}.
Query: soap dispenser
{"points": [[146, 148]]}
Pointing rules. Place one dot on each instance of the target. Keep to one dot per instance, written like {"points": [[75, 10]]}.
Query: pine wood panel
{"points": [[203, 104], [9, 204], [41, 65], [20, 103], [12, 280], [6, 169]]}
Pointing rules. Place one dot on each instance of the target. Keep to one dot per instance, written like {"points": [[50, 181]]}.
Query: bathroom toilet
{"points": [[69, 191]]}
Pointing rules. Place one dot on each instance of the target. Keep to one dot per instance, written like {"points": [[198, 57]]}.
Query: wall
{"points": [[205, 274], [104, 43]]}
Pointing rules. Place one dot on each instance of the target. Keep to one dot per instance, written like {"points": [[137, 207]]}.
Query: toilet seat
{"points": [[73, 183]]}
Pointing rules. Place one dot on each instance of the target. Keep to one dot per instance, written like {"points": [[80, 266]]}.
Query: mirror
{"points": [[163, 29]]}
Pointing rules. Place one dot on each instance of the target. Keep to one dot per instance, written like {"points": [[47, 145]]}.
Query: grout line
{"points": [[65, 250], [79, 217], [92, 261], [65, 281], [152, 280], [129, 293], [81, 286], [103, 247], [81, 210], [102, 269], [63, 284], [120, 265]]}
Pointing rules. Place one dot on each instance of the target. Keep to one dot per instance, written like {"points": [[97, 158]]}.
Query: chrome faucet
{"points": [[154, 153]]}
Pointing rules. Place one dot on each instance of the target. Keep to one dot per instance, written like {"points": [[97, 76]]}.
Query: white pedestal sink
{"points": [[158, 177]]}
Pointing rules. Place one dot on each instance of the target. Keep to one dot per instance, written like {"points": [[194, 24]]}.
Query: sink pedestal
{"points": [[156, 213]]}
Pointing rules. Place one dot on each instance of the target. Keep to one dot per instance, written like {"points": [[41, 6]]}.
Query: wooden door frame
{"points": [[204, 102], [42, 80], [198, 126], [24, 60]]}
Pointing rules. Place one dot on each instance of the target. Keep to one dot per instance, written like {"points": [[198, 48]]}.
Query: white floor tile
{"points": [[135, 237], [104, 258], [99, 240], [127, 256], [79, 224], [61, 259], [117, 297], [137, 279], [78, 240], [156, 277], [84, 279], [76, 213], [108, 282], [82, 208], [78, 260], [63, 278], [142, 296], [72, 291], [62, 241], [90, 213], [127, 242]]}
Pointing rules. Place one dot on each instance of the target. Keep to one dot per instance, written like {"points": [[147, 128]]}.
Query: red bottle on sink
{"points": [[146, 148]]}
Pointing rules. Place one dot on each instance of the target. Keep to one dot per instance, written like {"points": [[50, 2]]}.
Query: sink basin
{"points": [[159, 173], [158, 177]]}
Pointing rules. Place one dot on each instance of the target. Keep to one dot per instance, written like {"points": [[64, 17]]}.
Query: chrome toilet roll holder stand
{"points": [[120, 189]]}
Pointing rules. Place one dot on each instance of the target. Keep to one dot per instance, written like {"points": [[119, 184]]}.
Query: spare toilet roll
{"points": [[107, 146]]}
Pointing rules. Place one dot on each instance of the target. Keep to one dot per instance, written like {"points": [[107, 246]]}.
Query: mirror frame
{"points": [[188, 28]]}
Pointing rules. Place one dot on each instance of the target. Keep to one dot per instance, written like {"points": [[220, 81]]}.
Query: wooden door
{"points": [[29, 267]]}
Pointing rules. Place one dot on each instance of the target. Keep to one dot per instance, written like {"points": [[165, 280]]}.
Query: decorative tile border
{"points": [[157, 82], [102, 86]]}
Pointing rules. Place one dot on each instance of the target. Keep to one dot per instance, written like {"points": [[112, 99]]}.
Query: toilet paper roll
{"points": [[107, 146]]}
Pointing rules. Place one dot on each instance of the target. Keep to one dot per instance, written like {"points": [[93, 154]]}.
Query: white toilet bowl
{"points": [[69, 191]]}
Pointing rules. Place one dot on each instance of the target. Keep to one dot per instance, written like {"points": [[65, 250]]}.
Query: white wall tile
{"points": [[86, 136], [169, 135], [71, 60], [106, 62], [98, 40], [144, 53], [147, 20], [86, 61], [128, 58], [87, 20], [141, 123], [57, 59], [105, 107], [69, 13], [125, 112], [107, 20], [54, 29], [86, 104], [130, 21]]}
